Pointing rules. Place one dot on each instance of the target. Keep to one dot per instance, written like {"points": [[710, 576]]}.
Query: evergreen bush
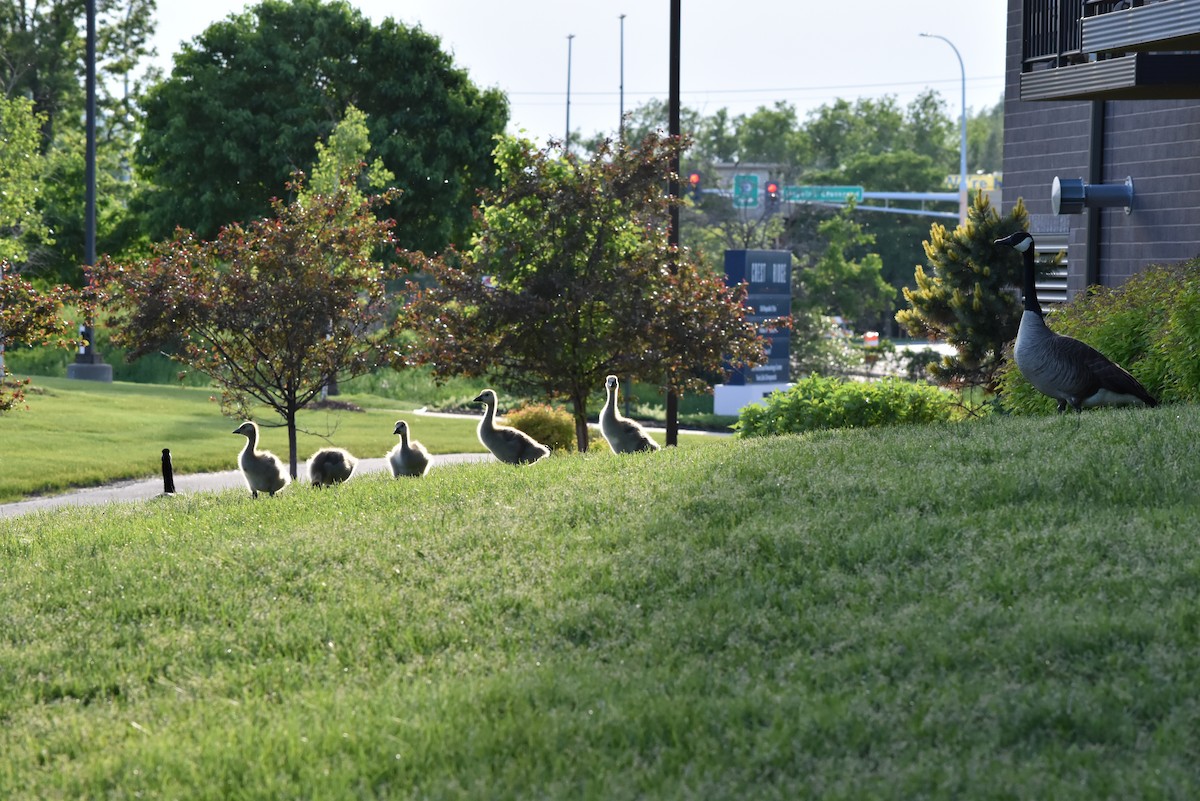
{"points": [[553, 426]]}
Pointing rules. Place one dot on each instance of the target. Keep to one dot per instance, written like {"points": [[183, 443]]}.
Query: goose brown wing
{"points": [[1107, 374]]}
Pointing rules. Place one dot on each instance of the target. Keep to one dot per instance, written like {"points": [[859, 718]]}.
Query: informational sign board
{"points": [[768, 277], [745, 191], [821, 194]]}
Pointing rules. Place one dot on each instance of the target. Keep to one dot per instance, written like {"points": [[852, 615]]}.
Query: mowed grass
{"points": [[1005, 609], [79, 434], [82, 434]]}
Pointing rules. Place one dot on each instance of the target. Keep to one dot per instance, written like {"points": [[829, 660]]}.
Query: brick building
{"points": [[1104, 95]]}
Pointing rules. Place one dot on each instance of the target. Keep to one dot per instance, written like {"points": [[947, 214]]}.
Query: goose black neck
{"points": [[1030, 288]]}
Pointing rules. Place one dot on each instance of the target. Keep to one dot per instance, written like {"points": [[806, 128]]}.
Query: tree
{"points": [[837, 284], [42, 49], [985, 139], [571, 279], [248, 99], [21, 166], [29, 317], [929, 131], [844, 129], [341, 159], [272, 311], [772, 136], [966, 297]]}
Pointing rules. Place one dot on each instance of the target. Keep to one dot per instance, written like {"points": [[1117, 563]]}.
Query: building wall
{"points": [[1156, 143]]}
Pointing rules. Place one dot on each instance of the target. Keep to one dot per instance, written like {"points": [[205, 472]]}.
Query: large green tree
{"points": [[21, 166], [837, 282], [248, 99], [42, 48], [571, 279], [42, 51]]}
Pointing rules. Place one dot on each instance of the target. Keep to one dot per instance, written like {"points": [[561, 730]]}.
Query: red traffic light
{"points": [[772, 190], [694, 179]]}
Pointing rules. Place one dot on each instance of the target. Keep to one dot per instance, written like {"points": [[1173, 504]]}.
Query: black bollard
{"points": [[168, 473]]}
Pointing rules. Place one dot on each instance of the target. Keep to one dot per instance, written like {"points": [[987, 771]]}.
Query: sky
{"points": [[734, 55]]}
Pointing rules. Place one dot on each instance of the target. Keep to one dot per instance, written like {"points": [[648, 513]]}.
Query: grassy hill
{"points": [[1000, 609]]}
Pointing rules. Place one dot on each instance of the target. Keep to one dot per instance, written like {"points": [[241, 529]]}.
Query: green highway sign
{"points": [[745, 191], [821, 194]]}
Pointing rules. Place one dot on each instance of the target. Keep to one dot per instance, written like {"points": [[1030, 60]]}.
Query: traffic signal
{"points": [[694, 185], [771, 191]]}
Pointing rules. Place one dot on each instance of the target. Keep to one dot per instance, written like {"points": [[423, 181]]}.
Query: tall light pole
{"points": [[88, 363], [673, 129], [621, 124], [567, 138], [962, 156]]}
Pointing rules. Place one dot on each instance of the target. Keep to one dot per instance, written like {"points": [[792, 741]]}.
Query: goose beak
{"points": [[399, 426], [478, 398]]}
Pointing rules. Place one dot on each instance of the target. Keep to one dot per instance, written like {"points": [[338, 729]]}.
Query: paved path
{"points": [[143, 489]]}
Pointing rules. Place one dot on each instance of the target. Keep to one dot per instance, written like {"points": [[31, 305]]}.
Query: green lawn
{"points": [[79, 434], [1004, 609]]}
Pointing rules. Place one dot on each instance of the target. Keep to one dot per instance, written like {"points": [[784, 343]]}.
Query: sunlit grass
{"points": [[78, 434], [1000, 609], [82, 433]]}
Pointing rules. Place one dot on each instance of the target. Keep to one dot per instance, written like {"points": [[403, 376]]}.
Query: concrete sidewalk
{"points": [[144, 489]]}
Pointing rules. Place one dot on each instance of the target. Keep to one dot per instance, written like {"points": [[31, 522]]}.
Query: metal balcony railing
{"points": [[1051, 33], [1053, 30]]}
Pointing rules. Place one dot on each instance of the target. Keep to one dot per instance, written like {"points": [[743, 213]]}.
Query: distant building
{"points": [[1104, 95]]}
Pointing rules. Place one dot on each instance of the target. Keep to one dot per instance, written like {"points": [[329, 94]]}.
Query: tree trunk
{"points": [[291, 426], [581, 424]]}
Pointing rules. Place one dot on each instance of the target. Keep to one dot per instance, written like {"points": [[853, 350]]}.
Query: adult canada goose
{"points": [[330, 466], [1070, 371], [506, 444], [408, 457], [263, 470], [622, 434]]}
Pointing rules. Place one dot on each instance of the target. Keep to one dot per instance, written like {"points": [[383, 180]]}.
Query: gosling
{"points": [[622, 434], [408, 457], [263, 470], [330, 466], [507, 444]]}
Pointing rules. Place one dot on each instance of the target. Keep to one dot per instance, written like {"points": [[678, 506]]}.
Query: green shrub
{"points": [[817, 403], [553, 426], [1150, 325], [154, 368]]}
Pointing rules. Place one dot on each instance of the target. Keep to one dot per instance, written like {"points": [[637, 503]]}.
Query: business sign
{"points": [[768, 278], [821, 194]]}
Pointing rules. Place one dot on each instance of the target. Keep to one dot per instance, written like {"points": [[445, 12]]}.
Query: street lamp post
{"points": [[621, 124], [567, 139], [962, 155], [88, 364]]}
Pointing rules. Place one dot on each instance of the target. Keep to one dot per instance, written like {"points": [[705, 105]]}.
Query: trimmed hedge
{"points": [[552, 426], [820, 403]]}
